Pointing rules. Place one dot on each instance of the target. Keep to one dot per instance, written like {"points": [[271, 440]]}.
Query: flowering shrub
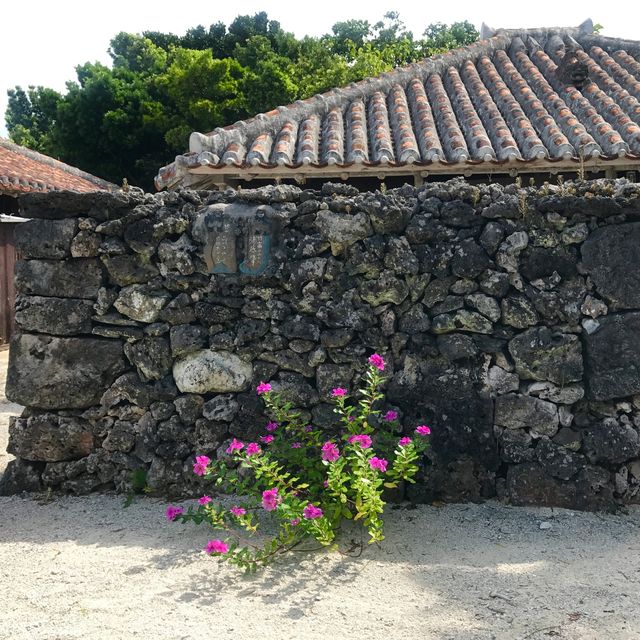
{"points": [[308, 482]]}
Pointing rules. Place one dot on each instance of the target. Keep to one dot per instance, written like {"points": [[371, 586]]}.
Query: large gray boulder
{"points": [[59, 316], [50, 438], [612, 354], [45, 238], [611, 255], [61, 373], [79, 278], [210, 371]]}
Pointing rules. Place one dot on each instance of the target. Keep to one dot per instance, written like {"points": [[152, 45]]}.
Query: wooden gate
{"points": [[7, 290]]}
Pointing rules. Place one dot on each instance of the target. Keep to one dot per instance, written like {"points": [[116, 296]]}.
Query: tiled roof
{"points": [[23, 170], [519, 98]]}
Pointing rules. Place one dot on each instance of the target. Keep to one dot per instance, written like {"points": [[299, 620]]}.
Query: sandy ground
{"points": [[75, 568]]}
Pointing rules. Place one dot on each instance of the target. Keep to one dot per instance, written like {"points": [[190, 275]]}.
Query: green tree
{"points": [[31, 117]]}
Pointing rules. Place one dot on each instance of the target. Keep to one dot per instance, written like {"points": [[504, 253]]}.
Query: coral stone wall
{"points": [[509, 318]]}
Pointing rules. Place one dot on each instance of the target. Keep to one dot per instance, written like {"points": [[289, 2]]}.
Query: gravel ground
{"points": [[75, 568]]}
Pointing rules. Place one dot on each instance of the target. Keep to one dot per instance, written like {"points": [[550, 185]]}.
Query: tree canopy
{"points": [[127, 120]]}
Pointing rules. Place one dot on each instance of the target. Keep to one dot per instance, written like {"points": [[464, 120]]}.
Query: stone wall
{"points": [[509, 318]]}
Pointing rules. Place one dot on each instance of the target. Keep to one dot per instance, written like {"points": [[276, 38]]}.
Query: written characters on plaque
{"points": [[237, 238]]}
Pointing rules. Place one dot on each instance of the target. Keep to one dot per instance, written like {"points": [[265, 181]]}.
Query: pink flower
{"points": [[238, 511], [325, 484], [339, 392], [404, 441], [216, 546], [174, 512], [308, 428], [330, 452], [271, 426], [270, 499], [263, 387], [204, 500], [377, 361], [295, 445], [235, 445], [351, 418], [311, 512], [390, 416], [363, 440], [253, 448], [379, 464], [200, 465], [423, 430], [295, 522], [267, 439]]}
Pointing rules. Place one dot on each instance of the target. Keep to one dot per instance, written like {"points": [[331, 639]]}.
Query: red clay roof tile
{"points": [[511, 98], [23, 170]]}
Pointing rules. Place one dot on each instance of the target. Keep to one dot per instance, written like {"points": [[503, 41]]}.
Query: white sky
{"points": [[42, 40]]}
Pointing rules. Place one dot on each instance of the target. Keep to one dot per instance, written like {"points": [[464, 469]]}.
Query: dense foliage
{"points": [[130, 119]]}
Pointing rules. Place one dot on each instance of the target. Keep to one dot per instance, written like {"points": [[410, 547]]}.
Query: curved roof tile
{"points": [[502, 100]]}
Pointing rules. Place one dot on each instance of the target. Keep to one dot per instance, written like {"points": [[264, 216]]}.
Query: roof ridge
{"points": [[56, 164]]}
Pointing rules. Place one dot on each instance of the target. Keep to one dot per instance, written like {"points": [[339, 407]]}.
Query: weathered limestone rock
{"points": [[140, 302], [176, 256], [462, 320], [129, 269], [151, 357], [387, 288], [611, 255], [221, 408], [85, 244], [500, 381], [569, 394], [386, 218], [400, 258], [61, 373], [523, 412], [558, 461], [212, 372], [50, 438], [612, 354], [187, 338], [189, 408], [529, 484], [518, 312], [593, 307], [45, 238], [58, 316], [121, 437], [611, 441], [516, 446], [342, 230], [415, 320], [469, 259], [456, 346], [541, 354], [63, 279], [485, 305]]}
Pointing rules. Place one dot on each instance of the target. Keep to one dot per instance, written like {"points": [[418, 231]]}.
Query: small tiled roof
{"points": [[23, 170], [520, 99]]}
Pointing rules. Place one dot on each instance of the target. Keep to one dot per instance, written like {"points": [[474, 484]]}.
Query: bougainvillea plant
{"points": [[308, 482]]}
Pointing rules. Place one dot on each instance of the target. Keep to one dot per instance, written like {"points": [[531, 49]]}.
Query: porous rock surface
{"points": [[508, 317]]}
